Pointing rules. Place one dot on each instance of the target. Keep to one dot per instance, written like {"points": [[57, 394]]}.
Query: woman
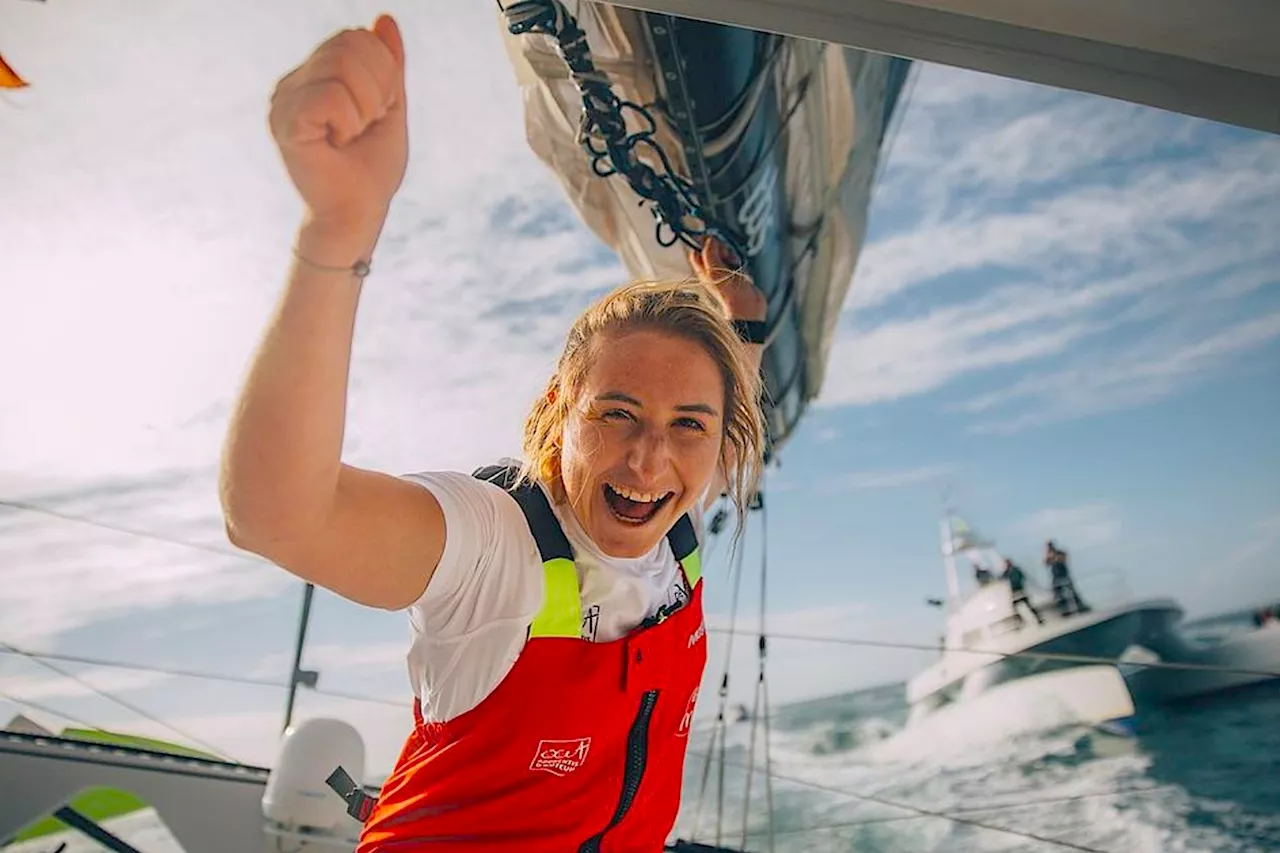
{"points": [[556, 608]]}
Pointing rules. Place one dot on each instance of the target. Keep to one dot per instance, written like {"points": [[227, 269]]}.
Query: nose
{"points": [[649, 453]]}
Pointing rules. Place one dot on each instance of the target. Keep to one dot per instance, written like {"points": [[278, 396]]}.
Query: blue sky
{"points": [[1067, 317]]}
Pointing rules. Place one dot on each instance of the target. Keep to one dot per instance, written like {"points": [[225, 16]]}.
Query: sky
{"points": [[1065, 322]]}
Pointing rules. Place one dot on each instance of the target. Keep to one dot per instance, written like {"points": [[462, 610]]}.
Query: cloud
{"points": [[1265, 541], [1077, 527], [60, 573], [1134, 376], [92, 682], [1015, 225], [332, 658], [892, 478]]}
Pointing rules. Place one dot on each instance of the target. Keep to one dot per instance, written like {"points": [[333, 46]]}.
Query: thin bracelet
{"points": [[359, 269]]}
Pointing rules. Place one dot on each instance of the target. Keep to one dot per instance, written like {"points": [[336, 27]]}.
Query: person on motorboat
{"points": [[1018, 589], [1065, 597], [555, 604]]}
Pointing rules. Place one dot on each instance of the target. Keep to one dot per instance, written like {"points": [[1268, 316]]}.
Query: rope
{"points": [[1053, 656], [602, 132], [121, 702], [45, 709], [955, 815], [10, 649], [719, 728], [761, 692], [24, 506]]}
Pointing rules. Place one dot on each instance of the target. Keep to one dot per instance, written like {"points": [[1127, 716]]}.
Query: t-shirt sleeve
{"points": [[488, 571]]}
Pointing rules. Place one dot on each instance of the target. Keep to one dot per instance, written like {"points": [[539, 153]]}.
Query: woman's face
{"points": [[643, 438]]}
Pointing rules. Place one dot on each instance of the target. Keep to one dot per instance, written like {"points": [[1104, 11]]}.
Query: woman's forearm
{"points": [[283, 450]]}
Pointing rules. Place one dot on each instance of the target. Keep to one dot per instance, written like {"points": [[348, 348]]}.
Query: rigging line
{"points": [[1054, 656], [9, 649], [782, 777], [761, 686], [874, 821], [736, 553], [923, 812], [45, 709], [142, 534], [123, 703]]}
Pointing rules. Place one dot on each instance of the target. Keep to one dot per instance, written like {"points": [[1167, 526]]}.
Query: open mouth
{"points": [[634, 507]]}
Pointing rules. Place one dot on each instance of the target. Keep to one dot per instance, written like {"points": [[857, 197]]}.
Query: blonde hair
{"points": [[685, 309]]}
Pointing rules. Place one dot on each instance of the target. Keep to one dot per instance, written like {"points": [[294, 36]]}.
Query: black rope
{"points": [[53, 712], [10, 649], [956, 815], [719, 726], [121, 702], [953, 813], [849, 641], [603, 134], [1051, 656], [761, 697], [25, 506]]}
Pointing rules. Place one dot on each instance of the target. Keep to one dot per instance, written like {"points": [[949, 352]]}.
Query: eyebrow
{"points": [[619, 397]]}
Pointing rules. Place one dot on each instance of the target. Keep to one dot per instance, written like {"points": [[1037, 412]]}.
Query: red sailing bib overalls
{"points": [[580, 748]]}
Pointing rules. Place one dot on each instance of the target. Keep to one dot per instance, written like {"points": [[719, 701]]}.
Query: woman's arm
{"points": [[743, 301], [339, 121]]}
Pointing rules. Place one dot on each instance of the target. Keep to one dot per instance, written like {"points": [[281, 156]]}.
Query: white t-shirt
{"points": [[472, 621]]}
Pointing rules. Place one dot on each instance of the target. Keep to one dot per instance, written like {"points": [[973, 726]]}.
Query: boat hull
{"points": [[1241, 661], [1059, 646]]}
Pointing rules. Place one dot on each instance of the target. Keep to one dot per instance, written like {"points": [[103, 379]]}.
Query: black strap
{"points": [[543, 524], [545, 527], [683, 538], [359, 803]]}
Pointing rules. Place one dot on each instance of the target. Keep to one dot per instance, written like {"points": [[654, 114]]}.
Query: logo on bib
{"points": [[686, 722], [698, 633], [560, 757]]}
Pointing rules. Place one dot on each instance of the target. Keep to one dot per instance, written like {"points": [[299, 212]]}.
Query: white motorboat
{"points": [[1055, 659], [1203, 665]]}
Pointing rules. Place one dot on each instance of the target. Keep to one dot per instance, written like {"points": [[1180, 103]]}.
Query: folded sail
{"points": [[778, 138]]}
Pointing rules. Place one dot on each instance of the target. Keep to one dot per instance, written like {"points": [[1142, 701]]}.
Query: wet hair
{"points": [[684, 309]]}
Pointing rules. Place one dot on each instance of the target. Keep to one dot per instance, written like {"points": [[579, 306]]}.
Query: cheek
{"points": [[700, 456], [582, 444]]}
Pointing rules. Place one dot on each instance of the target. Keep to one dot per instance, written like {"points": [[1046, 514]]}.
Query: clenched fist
{"points": [[339, 122]]}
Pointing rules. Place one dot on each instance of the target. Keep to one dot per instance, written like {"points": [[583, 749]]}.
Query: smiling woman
{"points": [[556, 605]]}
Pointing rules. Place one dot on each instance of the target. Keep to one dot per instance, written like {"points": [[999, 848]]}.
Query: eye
{"points": [[616, 415], [691, 423]]}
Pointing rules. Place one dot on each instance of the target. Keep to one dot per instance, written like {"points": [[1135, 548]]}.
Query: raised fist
{"points": [[339, 122]]}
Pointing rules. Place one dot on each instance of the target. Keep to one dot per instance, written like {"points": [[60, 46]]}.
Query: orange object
{"points": [[9, 78]]}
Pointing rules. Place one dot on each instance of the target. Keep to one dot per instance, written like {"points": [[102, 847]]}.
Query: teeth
{"points": [[638, 497]]}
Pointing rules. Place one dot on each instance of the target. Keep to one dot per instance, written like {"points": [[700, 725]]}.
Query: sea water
{"points": [[849, 776]]}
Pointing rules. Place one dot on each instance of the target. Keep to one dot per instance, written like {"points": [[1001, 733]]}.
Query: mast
{"points": [[949, 558], [296, 674]]}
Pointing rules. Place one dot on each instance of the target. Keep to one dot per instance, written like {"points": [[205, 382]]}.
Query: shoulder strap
{"points": [[546, 530], [684, 545], [561, 613]]}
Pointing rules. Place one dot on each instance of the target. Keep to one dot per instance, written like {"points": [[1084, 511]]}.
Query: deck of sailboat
{"points": [[204, 802]]}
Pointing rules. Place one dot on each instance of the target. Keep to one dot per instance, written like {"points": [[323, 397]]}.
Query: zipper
{"points": [[637, 757]]}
